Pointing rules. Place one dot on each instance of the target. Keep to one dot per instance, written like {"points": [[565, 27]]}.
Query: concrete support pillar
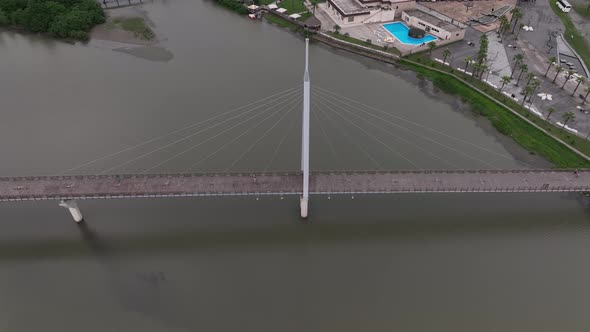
{"points": [[305, 136], [74, 210], [303, 205]]}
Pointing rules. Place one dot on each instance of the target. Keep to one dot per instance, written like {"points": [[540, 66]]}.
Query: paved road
{"points": [[169, 185]]}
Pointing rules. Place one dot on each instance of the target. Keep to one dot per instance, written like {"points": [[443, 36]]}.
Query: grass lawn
{"points": [[305, 16], [582, 9], [136, 25], [352, 40], [506, 122], [280, 22], [578, 42], [293, 6]]}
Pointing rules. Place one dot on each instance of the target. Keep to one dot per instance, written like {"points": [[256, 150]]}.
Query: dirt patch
{"points": [[126, 25]]}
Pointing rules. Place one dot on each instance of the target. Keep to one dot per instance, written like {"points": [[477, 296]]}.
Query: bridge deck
{"points": [[167, 185]]}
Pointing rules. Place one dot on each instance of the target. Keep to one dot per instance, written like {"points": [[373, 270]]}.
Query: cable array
{"points": [[365, 129]]}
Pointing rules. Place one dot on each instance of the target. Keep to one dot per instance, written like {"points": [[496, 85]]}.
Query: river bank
{"points": [[556, 147], [525, 133]]}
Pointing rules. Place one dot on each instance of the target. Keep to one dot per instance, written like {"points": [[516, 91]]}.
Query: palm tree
{"points": [[523, 69], [567, 77], [504, 24], [475, 68], [587, 90], [526, 91], [515, 11], [518, 58], [482, 69], [505, 79], [579, 80], [446, 54], [516, 16], [551, 110], [559, 69], [535, 83], [530, 77], [567, 116], [314, 5], [467, 62], [520, 26], [431, 47], [489, 69], [551, 62]]}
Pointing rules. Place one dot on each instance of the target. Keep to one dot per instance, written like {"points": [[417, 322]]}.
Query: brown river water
{"points": [[480, 262]]}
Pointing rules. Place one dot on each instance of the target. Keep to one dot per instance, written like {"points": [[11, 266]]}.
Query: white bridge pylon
{"points": [[304, 201]]}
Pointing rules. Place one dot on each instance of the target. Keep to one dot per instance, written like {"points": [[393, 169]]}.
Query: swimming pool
{"points": [[400, 31]]}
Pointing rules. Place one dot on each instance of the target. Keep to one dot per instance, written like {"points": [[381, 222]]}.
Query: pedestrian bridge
{"points": [[68, 189], [320, 183]]}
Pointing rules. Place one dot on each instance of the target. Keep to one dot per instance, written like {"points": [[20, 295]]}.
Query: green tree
{"points": [[504, 25], [446, 54], [467, 61], [482, 53], [520, 26], [568, 75], [518, 59], [550, 110], [579, 80], [3, 18], [505, 79], [535, 84], [19, 17], [526, 92], [475, 68], [61, 18], [431, 46], [516, 15], [523, 69], [337, 28], [483, 69], [587, 90], [551, 62], [558, 70], [40, 14], [530, 76], [514, 12], [11, 6], [567, 117]]}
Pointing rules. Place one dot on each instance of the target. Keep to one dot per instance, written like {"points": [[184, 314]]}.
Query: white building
{"points": [[354, 12], [444, 31]]}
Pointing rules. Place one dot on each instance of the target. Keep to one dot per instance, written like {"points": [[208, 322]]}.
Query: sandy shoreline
{"points": [[110, 32]]}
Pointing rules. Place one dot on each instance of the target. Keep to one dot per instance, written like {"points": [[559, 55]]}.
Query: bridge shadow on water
{"points": [[108, 247], [137, 290]]}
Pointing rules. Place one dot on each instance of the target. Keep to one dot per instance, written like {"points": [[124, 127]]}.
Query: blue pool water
{"points": [[400, 31]]}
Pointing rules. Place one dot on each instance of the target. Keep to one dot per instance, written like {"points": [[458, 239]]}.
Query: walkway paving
{"points": [[352, 182], [327, 22]]}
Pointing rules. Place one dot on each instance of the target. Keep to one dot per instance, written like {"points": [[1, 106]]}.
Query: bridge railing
{"points": [[219, 174]]}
